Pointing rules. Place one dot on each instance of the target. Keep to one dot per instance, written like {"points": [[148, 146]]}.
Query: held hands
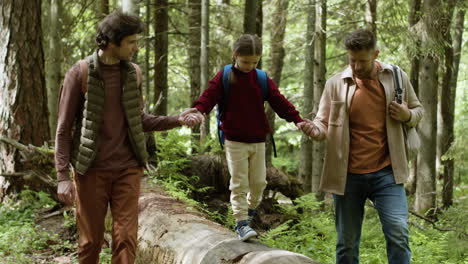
{"points": [[309, 128], [66, 192], [191, 117], [399, 112]]}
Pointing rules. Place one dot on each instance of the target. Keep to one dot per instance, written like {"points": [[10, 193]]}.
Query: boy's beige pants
{"points": [[246, 163]]}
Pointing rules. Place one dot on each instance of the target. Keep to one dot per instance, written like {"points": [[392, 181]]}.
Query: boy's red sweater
{"points": [[244, 117]]}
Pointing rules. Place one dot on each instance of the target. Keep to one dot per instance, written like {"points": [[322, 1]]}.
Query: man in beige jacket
{"points": [[366, 152]]}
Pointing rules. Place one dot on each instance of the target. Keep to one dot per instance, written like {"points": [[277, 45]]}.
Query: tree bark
{"points": [[194, 21], [212, 171], [54, 74], [428, 78], [161, 45], [305, 165], [278, 30], [414, 17], [204, 61], [371, 16], [318, 148], [259, 24], [223, 52], [23, 96], [449, 88], [149, 100], [169, 232], [250, 17], [146, 88]]}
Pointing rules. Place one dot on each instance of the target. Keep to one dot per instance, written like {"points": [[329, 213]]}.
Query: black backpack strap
{"points": [[221, 108], [263, 82], [396, 80]]}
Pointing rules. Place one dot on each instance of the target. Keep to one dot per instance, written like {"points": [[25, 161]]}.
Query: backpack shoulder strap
{"points": [[226, 71], [396, 80], [262, 79], [138, 73], [84, 74], [263, 82]]}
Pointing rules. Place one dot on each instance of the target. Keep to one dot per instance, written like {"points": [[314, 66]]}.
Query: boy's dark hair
{"points": [[248, 45], [361, 39], [116, 26]]}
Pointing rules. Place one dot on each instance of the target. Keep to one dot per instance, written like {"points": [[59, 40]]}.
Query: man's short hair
{"points": [[116, 26], [361, 39]]}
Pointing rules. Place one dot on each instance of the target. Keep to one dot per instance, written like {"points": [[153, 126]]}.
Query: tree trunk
{"points": [[318, 148], [204, 61], [250, 17], [148, 68], [161, 45], [259, 26], [132, 7], [23, 96], [54, 73], [305, 165], [223, 52], [170, 233], [149, 102], [371, 16], [194, 20], [449, 88], [414, 17], [428, 78], [278, 29]]}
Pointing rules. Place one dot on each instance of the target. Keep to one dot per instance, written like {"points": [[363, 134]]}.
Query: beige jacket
{"points": [[333, 122]]}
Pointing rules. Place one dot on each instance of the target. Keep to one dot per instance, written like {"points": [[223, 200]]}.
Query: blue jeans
{"points": [[389, 199]]}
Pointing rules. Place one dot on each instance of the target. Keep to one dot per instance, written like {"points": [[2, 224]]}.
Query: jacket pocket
{"points": [[336, 113]]}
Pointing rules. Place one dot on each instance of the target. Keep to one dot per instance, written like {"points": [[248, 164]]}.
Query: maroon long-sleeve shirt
{"points": [[114, 151], [244, 117]]}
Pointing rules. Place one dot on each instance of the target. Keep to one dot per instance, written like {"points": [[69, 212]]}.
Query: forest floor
{"points": [[62, 239]]}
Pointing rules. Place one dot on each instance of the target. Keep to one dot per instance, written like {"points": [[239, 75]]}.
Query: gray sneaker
{"points": [[244, 231]]}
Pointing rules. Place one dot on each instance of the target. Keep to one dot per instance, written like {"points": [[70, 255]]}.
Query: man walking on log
{"points": [[100, 133], [366, 153]]}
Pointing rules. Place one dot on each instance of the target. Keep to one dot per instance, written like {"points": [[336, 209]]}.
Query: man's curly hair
{"points": [[116, 26]]}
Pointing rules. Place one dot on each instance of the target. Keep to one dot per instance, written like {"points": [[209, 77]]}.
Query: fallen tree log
{"points": [[170, 232], [211, 170], [37, 168]]}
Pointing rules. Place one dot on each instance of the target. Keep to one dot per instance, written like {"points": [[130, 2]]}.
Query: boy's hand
{"points": [[308, 128], [191, 117]]}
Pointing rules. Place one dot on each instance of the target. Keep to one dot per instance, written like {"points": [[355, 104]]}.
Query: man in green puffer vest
{"points": [[100, 132]]}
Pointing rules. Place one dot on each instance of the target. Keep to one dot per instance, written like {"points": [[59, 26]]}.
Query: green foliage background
{"points": [[312, 231]]}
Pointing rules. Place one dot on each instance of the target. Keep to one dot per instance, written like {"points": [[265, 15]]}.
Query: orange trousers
{"points": [[96, 190]]}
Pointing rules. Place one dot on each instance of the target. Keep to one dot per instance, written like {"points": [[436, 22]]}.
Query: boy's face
{"points": [[362, 62], [246, 63], [128, 47]]}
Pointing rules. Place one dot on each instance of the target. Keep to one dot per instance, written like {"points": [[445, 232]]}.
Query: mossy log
{"points": [[170, 232]]}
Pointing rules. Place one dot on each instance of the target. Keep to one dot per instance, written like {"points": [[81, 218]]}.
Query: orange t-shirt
{"points": [[368, 145]]}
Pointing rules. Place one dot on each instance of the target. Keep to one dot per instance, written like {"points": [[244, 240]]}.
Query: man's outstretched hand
{"points": [[309, 128]]}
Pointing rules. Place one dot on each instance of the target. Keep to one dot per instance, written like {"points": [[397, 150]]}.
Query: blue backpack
{"points": [[262, 81]]}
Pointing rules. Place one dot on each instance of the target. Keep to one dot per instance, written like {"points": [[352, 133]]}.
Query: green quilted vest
{"points": [[88, 124]]}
